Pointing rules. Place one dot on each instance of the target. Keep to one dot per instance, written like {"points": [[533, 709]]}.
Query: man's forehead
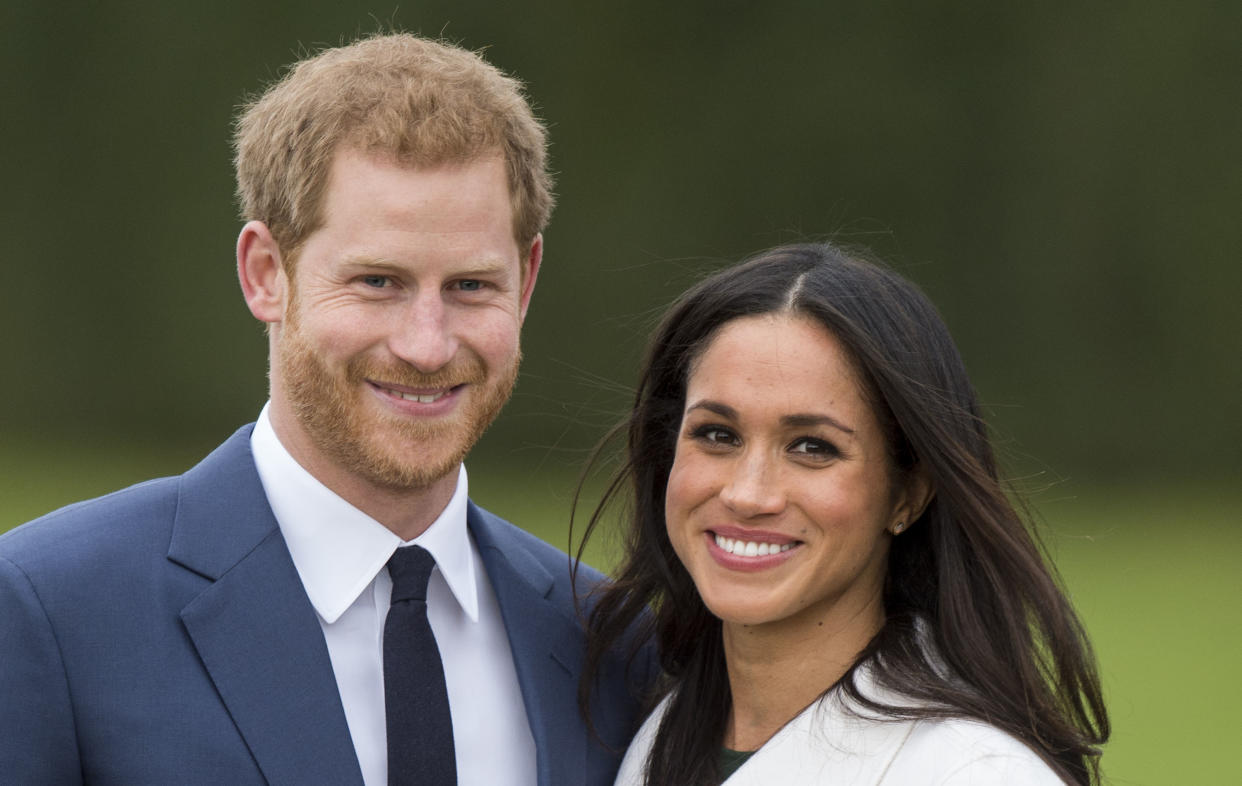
{"points": [[356, 163]]}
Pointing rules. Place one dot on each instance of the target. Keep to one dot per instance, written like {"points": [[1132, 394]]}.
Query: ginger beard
{"points": [[391, 452]]}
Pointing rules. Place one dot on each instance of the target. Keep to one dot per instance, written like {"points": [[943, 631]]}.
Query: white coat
{"points": [[828, 744]]}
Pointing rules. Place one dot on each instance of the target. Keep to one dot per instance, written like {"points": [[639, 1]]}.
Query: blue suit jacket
{"points": [[161, 635]]}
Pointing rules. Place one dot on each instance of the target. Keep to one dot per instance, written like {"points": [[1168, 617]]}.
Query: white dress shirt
{"points": [[340, 554]]}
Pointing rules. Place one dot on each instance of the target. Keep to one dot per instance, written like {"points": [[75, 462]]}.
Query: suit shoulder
{"points": [[119, 521]]}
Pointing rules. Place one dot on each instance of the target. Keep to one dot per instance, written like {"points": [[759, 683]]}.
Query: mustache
{"points": [[466, 369]]}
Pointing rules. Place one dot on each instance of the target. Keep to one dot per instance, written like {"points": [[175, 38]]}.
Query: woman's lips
{"points": [[750, 550]]}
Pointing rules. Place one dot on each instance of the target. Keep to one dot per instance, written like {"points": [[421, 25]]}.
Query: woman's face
{"points": [[781, 493]]}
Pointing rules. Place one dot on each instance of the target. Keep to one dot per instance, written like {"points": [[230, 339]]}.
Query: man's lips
{"points": [[420, 395]]}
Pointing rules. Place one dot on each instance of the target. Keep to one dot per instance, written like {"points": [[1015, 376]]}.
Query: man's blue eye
{"points": [[375, 281], [470, 285]]}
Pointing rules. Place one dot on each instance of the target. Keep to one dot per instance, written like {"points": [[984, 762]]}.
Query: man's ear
{"points": [[530, 271], [261, 272]]}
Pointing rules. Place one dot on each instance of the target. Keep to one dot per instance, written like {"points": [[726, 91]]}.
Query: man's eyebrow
{"points": [[375, 263], [484, 266]]}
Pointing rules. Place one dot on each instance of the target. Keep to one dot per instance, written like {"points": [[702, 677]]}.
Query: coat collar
{"points": [[253, 626], [831, 741]]}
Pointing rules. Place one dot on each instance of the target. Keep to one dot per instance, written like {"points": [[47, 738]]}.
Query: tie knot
{"points": [[410, 568]]}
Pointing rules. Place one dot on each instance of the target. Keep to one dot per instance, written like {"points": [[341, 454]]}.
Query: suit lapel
{"points": [[547, 647], [253, 626]]}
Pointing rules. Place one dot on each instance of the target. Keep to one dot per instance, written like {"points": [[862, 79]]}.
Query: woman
{"points": [[839, 588]]}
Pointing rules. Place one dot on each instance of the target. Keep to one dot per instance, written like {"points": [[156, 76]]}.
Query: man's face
{"points": [[399, 344]]}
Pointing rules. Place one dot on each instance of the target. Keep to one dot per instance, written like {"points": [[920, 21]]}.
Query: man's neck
{"points": [[406, 512]]}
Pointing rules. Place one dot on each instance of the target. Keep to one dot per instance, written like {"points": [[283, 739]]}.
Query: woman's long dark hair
{"points": [[966, 581]]}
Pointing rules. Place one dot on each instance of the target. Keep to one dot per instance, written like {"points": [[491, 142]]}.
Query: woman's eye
{"points": [[378, 282], [813, 447], [715, 435]]}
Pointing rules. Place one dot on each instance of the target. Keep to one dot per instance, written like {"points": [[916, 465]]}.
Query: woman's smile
{"points": [[781, 490], [736, 548]]}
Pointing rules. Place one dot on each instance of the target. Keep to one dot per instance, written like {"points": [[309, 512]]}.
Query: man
{"points": [[233, 625]]}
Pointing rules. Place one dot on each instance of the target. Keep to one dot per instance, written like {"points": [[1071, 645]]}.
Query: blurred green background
{"points": [[1064, 181]]}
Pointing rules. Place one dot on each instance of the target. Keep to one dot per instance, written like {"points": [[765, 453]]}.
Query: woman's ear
{"points": [[261, 272], [916, 494]]}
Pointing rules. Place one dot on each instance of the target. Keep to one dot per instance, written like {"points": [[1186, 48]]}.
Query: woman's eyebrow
{"points": [[723, 410], [815, 420], [794, 421]]}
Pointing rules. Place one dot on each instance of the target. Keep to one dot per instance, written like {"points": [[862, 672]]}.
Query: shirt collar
{"points": [[337, 549]]}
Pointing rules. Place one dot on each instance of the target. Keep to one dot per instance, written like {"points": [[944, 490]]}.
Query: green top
{"points": [[730, 760]]}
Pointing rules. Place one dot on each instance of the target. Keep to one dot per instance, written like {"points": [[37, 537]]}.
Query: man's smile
{"points": [[422, 396]]}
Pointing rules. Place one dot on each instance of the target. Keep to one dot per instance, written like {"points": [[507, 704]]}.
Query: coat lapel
{"points": [[253, 626], [830, 742], [547, 646]]}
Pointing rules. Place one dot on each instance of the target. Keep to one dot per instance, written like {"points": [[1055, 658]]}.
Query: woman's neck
{"points": [[777, 670]]}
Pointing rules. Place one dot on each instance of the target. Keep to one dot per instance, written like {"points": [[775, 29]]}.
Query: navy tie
{"points": [[420, 728]]}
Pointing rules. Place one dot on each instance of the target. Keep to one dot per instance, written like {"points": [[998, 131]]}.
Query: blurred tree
{"points": [[1062, 183]]}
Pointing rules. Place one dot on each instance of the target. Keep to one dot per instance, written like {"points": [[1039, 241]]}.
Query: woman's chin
{"points": [[747, 612]]}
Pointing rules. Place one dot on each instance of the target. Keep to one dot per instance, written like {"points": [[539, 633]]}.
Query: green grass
{"points": [[1152, 569], [1155, 574]]}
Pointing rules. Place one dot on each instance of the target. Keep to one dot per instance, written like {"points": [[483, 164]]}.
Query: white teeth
{"points": [[420, 399], [746, 548]]}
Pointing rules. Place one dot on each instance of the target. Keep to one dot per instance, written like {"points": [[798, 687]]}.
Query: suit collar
{"points": [[222, 512], [260, 640], [338, 549], [547, 645], [494, 534], [253, 626]]}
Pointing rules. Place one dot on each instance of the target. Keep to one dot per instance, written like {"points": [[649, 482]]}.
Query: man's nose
{"points": [[753, 487], [424, 335]]}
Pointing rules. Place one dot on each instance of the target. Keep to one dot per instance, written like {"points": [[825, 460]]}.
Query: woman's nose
{"points": [[753, 488]]}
